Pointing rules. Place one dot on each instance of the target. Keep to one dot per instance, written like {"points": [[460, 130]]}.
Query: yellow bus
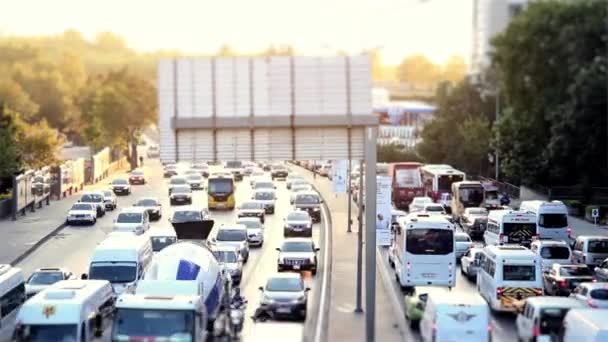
{"points": [[220, 192]]}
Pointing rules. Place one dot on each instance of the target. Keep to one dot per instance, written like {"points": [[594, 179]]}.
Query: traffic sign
{"points": [[595, 213]]}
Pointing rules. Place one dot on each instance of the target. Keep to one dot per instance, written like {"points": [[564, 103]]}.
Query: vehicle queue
{"points": [[123, 261]]}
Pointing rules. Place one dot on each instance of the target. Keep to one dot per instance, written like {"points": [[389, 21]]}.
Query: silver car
{"points": [[463, 243], [255, 230], [234, 236], [469, 262], [232, 261], [286, 295], [595, 295]]}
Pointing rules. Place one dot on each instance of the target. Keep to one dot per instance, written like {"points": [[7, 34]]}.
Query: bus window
{"points": [[430, 241], [519, 273]]}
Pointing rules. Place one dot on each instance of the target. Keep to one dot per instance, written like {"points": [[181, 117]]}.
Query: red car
{"points": [[137, 177]]}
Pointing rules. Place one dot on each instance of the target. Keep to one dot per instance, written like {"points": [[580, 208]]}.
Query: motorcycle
{"points": [[237, 314]]}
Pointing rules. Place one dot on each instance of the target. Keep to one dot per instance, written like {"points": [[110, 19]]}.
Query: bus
{"points": [[220, 192], [424, 254], [406, 183], [511, 227], [466, 194], [438, 179]]}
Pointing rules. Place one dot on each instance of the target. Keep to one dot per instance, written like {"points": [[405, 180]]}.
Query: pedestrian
{"points": [[141, 161]]}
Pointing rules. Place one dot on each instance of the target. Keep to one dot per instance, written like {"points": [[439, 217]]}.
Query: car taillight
{"points": [[539, 292], [563, 284], [498, 292], [594, 280], [591, 303], [490, 328], [536, 329]]}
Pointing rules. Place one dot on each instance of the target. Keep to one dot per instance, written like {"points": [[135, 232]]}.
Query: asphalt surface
{"points": [[73, 246]]}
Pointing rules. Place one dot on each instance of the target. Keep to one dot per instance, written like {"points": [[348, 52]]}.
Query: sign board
{"points": [[383, 208], [340, 176], [595, 213]]}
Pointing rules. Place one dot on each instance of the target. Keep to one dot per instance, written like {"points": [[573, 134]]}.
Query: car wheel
{"points": [[279, 269], [314, 271], [303, 316], [462, 270], [67, 222], [94, 221], [391, 263]]}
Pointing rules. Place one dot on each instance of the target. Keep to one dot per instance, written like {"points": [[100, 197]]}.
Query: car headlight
{"points": [[267, 300], [316, 209], [312, 260], [299, 300]]}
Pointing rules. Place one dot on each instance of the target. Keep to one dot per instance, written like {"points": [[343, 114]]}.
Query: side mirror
{"points": [[597, 269], [307, 289], [78, 201], [320, 201], [84, 276], [317, 249], [261, 288], [278, 249]]}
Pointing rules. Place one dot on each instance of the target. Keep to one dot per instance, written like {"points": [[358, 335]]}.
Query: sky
{"points": [[436, 28]]}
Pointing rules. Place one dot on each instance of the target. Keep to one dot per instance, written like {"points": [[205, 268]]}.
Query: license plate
{"points": [[179, 199], [283, 310], [428, 275], [221, 205], [296, 267]]}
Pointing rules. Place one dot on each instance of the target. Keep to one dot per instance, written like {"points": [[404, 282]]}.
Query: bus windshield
{"points": [[430, 241], [519, 273], [47, 332], [223, 185], [553, 220], [152, 324], [123, 272], [471, 196], [444, 183], [408, 178]]}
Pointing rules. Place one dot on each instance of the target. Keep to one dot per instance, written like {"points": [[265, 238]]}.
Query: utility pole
{"points": [[350, 196], [358, 308], [497, 109], [371, 135]]}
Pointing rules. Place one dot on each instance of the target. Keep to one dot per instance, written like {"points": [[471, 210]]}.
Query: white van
{"points": [[508, 274], [161, 237], [541, 317], [552, 252], [12, 289], [551, 218], [590, 250], [121, 260], [455, 317], [509, 227], [585, 325], [69, 310], [132, 219]]}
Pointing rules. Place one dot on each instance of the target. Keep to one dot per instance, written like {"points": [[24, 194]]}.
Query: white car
{"points": [[463, 244], [541, 317], [234, 236], [109, 199], [42, 278], [132, 219], [595, 295], [196, 181], [231, 259], [257, 174], [267, 197], [81, 213], [418, 203], [552, 252], [177, 181], [121, 186], [255, 230], [291, 178], [436, 209], [97, 199], [469, 262]]}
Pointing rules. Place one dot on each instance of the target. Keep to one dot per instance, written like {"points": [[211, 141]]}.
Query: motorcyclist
{"points": [[504, 199], [237, 299]]}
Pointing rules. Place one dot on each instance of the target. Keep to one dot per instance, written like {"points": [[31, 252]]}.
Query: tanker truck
{"points": [[182, 293]]}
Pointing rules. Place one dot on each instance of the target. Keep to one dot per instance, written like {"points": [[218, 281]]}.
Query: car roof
{"points": [[181, 186], [188, 208], [308, 193], [224, 248], [233, 226], [550, 243], [50, 269], [285, 275], [148, 198], [264, 190], [554, 302], [247, 219], [591, 237], [133, 210], [298, 239], [98, 192], [297, 211], [595, 286]]}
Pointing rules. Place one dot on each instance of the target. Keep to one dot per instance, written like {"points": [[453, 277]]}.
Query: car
{"points": [[590, 250], [43, 278], [109, 199], [255, 230], [153, 151], [152, 205], [469, 262], [436, 209], [203, 168], [474, 222], [248, 169], [252, 209], [82, 213], [297, 254], [311, 202], [601, 271], [297, 223], [463, 244], [285, 295], [196, 181], [418, 203], [551, 252], [446, 200], [236, 168], [170, 170], [180, 194], [595, 295], [291, 178], [541, 318], [121, 186], [189, 214], [256, 175], [161, 237], [561, 279], [267, 197], [177, 181], [234, 236], [96, 198], [325, 170], [137, 177], [232, 261], [278, 171], [261, 184], [132, 219], [296, 188]]}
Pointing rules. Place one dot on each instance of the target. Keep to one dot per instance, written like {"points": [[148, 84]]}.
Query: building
{"points": [[402, 121], [490, 17]]}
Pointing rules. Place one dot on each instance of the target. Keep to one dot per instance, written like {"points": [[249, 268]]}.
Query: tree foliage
{"points": [[392, 154], [418, 69], [552, 63]]}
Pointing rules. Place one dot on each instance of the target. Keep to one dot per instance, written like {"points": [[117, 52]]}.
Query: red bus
{"points": [[407, 183]]}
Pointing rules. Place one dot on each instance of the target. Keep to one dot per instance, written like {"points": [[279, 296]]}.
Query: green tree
{"points": [[17, 99], [419, 70], [552, 59], [392, 154]]}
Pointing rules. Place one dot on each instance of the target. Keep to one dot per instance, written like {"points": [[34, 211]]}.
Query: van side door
{"points": [[577, 252]]}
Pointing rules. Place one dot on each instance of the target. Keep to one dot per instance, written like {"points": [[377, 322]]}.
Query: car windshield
{"points": [[555, 252], [195, 177], [300, 188], [252, 205], [575, 271], [297, 246], [284, 285], [462, 238], [186, 216], [231, 235], [598, 246], [429, 241], [48, 332], [160, 242], [129, 218], [234, 164], [107, 193], [178, 181], [220, 185], [82, 206], [478, 211], [434, 208], [137, 173], [307, 199], [226, 256], [120, 181], [91, 198], [251, 223], [181, 190], [263, 196], [298, 216], [45, 278], [147, 202], [599, 294], [123, 272], [553, 220], [153, 325], [264, 185], [519, 272]]}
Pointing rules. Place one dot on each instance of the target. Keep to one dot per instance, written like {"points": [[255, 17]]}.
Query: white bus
{"points": [[552, 219], [424, 253], [12, 289], [508, 274], [438, 179], [510, 227]]}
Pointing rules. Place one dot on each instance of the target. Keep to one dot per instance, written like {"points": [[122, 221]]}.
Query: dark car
{"points": [[298, 223], [311, 202], [137, 177], [278, 171], [152, 205], [560, 280], [298, 254], [286, 295]]}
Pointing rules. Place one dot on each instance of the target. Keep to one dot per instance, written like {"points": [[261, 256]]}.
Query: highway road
{"points": [[74, 245]]}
